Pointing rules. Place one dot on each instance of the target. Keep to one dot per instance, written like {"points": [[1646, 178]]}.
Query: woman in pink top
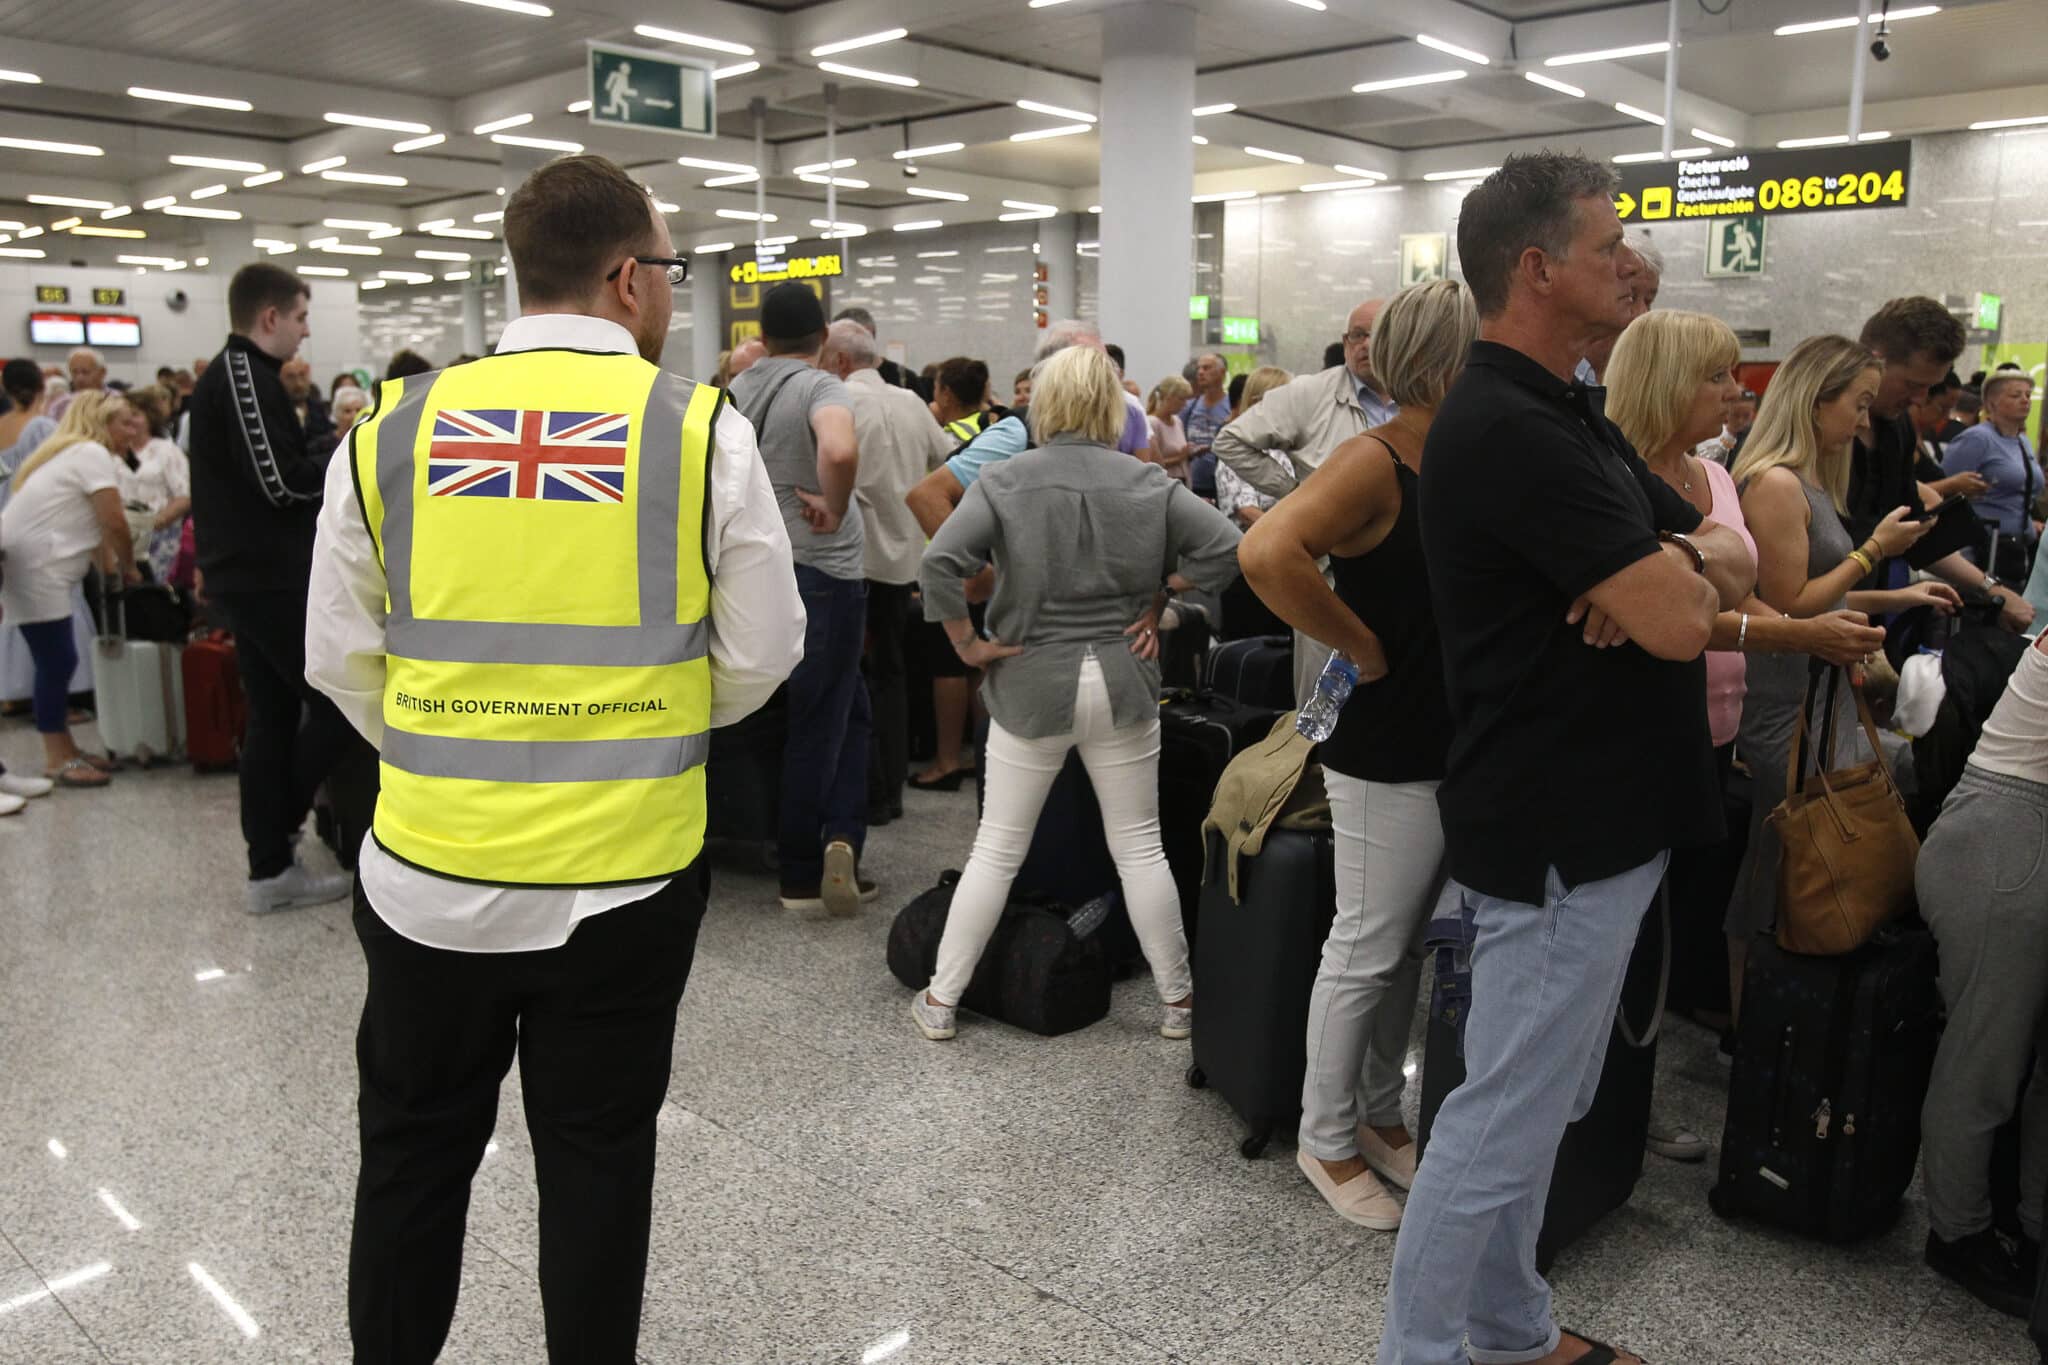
{"points": [[1169, 438], [1668, 384]]}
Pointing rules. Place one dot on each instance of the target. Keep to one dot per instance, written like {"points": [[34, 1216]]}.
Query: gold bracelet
{"points": [[1864, 560]]}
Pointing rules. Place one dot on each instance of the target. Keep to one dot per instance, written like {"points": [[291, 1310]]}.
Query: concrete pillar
{"points": [[707, 330], [1056, 240], [473, 340], [1148, 176]]}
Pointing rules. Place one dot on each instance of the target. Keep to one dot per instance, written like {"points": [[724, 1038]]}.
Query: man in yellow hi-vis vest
{"points": [[540, 579]]}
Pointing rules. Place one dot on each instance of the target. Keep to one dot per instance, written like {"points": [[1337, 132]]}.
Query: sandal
{"points": [[78, 772], [945, 782]]}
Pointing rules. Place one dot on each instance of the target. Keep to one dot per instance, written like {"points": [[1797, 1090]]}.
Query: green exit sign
{"points": [[632, 87], [1198, 308], [1240, 331], [1989, 307]]}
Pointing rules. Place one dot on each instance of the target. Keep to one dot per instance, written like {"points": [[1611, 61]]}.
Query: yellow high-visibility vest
{"points": [[547, 702], [965, 428]]}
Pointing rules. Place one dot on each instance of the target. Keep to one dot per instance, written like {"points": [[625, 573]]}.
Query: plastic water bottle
{"points": [[1095, 913], [1318, 719]]}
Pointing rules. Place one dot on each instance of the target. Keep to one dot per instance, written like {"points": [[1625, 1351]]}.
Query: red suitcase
{"points": [[215, 712]]}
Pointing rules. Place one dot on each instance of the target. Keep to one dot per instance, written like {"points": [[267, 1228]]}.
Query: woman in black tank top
{"points": [[1383, 763]]}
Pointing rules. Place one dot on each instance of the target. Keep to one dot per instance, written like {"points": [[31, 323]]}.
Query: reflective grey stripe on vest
{"points": [[657, 500], [569, 760]]}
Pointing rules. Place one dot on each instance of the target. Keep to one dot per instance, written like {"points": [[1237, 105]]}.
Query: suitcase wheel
{"points": [[1198, 1079], [1718, 1201], [1254, 1145]]}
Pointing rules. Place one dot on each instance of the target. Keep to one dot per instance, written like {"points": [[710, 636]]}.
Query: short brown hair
{"points": [[260, 285], [1532, 200], [1907, 327], [570, 222]]}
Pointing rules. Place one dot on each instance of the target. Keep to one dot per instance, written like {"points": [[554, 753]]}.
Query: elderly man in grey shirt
{"points": [[804, 420]]}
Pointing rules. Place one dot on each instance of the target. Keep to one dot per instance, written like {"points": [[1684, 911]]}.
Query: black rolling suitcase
{"points": [[1258, 671], [1257, 965], [1199, 733], [1832, 1058], [743, 775], [1600, 1157]]}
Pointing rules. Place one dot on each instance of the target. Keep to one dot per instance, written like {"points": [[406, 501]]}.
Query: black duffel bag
{"points": [[1038, 972]]}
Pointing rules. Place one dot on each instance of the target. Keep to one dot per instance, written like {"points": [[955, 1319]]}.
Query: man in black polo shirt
{"points": [[1918, 339], [1575, 593]]}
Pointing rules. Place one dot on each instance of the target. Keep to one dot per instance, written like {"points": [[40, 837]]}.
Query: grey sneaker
{"points": [[1675, 1143], [935, 1022], [1178, 1023], [296, 886], [841, 888]]}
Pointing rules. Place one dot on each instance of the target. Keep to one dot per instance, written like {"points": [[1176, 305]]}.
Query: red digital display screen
{"points": [[56, 329], [113, 329]]}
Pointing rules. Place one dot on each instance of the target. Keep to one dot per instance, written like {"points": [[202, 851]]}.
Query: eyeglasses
{"points": [[1357, 336], [677, 272]]}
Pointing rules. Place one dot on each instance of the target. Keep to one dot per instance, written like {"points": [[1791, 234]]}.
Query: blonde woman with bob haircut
{"points": [[1362, 508], [1794, 477], [63, 513], [1081, 537]]}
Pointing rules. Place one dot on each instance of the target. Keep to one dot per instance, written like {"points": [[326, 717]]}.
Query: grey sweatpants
{"points": [[1984, 891]]}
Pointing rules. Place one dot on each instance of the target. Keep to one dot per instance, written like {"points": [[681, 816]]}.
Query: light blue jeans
{"points": [[1546, 981]]}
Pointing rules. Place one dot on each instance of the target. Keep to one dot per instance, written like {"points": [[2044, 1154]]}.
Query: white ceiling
{"points": [[1290, 70]]}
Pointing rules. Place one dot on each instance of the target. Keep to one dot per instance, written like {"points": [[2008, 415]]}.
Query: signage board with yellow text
{"points": [[788, 268], [1872, 175]]}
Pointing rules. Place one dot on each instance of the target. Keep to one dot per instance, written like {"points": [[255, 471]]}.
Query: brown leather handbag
{"points": [[1849, 849]]}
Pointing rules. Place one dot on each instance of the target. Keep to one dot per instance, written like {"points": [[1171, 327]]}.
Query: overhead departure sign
{"points": [[1873, 175], [792, 268]]}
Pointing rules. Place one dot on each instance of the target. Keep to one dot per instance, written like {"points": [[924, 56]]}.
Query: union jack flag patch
{"points": [[521, 453]]}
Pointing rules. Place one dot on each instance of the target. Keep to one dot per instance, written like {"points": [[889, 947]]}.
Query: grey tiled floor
{"points": [[831, 1188]]}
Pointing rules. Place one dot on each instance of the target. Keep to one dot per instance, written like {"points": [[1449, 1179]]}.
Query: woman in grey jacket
{"points": [[1082, 537]]}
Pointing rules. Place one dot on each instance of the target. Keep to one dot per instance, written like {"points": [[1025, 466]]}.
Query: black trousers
{"points": [[888, 690], [593, 1025], [295, 736]]}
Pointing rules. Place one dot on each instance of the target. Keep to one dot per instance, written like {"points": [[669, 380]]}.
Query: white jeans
{"points": [[1123, 765], [1390, 871]]}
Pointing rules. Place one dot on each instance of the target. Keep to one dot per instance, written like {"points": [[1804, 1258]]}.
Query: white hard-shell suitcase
{"points": [[139, 692]]}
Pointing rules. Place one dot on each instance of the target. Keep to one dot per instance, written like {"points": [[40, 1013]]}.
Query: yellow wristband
{"points": [[1864, 560]]}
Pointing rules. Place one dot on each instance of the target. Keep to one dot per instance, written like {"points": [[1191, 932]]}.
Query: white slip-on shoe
{"points": [[936, 1022], [297, 886], [12, 805], [24, 786], [840, 887], [1676, 1142], [1178, 1022], [1395, 1165], [1361, 1199]]}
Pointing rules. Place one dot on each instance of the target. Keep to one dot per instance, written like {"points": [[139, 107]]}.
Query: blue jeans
{"points": [[56, 658], [1546, 981], [825, 763]]}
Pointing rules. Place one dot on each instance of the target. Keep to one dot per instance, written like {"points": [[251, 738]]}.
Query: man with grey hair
{"points": [[891, 372], [88, 371], [1575, 593], [898, 442]]}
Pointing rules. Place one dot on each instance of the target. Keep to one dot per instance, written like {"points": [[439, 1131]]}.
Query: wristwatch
{"points": [[1699, 558]]}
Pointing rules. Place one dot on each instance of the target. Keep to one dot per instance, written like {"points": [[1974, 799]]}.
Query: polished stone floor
{"points": [[176, 1155]]}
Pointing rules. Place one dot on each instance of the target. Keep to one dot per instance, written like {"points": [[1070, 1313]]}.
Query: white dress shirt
{"points": [[900, 443], [757, 638]]}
